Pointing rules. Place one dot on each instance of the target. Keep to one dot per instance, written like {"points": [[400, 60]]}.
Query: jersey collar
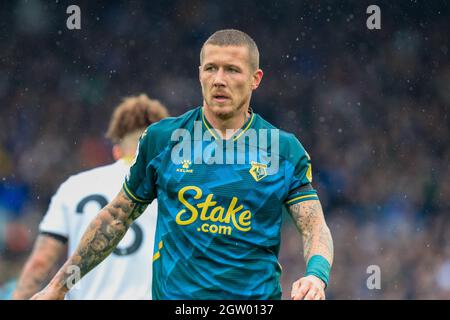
{"points": [[237, 134]]}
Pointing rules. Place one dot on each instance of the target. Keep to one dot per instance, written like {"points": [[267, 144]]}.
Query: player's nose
{"points": [[219, 78]]}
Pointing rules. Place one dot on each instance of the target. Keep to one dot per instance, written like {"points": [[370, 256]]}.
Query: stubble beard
{"points": [[220, 113]]}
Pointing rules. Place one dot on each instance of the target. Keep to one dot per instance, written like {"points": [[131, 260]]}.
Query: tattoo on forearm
{"points": [[316, 235], [102, 235]]}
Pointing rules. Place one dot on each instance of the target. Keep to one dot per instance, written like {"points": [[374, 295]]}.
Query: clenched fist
{"points": [[308, 288]]}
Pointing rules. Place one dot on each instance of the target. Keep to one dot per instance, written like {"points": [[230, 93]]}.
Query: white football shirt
{"points": [[127, 272]]}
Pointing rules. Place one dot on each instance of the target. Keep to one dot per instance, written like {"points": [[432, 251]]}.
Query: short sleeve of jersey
{"points": [[55, 220], [299, 173], [139, 184]]}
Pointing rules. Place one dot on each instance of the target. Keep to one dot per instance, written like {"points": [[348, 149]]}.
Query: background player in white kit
{"points": [[127, 273]]}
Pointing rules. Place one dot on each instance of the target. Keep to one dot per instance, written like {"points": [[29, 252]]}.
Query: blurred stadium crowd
{"points": [[371, 108]]}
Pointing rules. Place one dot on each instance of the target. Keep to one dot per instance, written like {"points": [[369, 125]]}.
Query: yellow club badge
{"points": [[258, 170]]}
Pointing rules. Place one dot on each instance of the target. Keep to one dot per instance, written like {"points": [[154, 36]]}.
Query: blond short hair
{"points": [[233, 37]]}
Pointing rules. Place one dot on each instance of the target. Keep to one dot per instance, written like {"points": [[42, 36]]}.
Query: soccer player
{"points": [[126, 273], [219, 213]]}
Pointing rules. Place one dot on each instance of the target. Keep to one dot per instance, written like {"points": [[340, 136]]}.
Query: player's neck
{"points": [[128, 159], [231, 124]]}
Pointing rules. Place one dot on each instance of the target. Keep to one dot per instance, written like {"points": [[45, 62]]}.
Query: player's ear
{"points": [[257, 77], [117, 152]]}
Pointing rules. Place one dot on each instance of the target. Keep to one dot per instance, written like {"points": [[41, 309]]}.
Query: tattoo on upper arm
{"points": [[309, 219], [132, 209]]}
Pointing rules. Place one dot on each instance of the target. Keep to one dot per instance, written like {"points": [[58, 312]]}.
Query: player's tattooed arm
{"points": [[309, 219], [47, 252], [99, 240]]}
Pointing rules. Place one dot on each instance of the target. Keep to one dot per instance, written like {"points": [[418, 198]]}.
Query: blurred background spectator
{"points": [[371, 108]]}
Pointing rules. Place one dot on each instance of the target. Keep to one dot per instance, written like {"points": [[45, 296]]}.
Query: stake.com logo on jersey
{"points": [[234, 215]]}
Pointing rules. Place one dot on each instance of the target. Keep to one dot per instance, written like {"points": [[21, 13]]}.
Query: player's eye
{"points": [[210, 68]]}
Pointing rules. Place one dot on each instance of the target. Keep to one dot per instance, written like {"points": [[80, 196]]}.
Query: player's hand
{"points": [[308, 288], [48, 294]]}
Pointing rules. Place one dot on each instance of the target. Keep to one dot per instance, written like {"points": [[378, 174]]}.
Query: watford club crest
{"points": [[258, 170]]}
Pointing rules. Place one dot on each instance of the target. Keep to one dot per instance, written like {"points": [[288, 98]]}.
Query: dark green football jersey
{"points": [[219, 205]]}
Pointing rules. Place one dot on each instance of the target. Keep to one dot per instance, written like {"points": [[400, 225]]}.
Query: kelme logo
{"points": [[185, 167]]}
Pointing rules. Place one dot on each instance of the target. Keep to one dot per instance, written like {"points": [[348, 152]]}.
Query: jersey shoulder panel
{"points": [[158, 135], [298, 170], [262, 123], [289, 146], [139, 184]]}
